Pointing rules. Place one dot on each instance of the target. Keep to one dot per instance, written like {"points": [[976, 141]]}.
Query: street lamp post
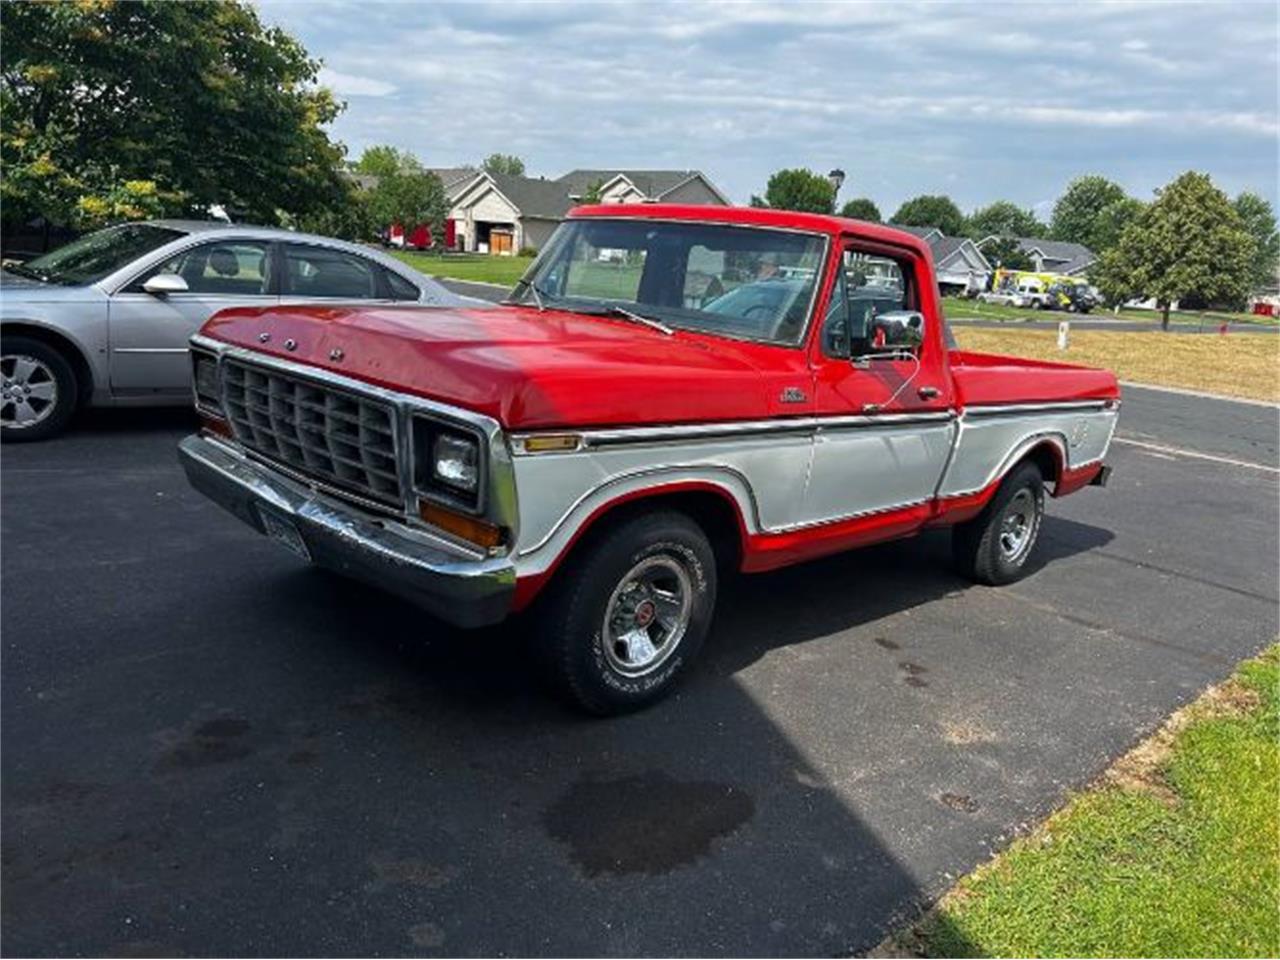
{"points": [[837, 178]]}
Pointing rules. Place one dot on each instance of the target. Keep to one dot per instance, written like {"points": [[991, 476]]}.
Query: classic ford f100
{"points": [[670, 395]]}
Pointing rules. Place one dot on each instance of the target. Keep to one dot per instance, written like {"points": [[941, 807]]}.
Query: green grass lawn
{"points": [[480, 268], [960, 307], [1175, 854]]}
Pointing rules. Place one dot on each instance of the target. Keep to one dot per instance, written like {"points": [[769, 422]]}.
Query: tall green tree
{"points": [[1076, 214], [507, 163], [381, 160], [1260, 220], [931, 210], [1110, 223], [798, 189], [193, 104], [861, 208], [1188, 243], [1005, 252], [410, 196], [1004, 219]]}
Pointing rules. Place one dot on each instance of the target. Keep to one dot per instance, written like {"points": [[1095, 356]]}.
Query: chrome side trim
{"points": [[1019, 409], [709, 431], [844, 518], [150, 350]]}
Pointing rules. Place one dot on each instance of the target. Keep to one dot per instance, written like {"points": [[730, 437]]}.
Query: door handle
{"points": [[927, 393]]}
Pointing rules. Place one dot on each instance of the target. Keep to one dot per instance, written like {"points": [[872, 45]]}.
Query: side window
{"points": [[228, 268], [322, 272], [869, 286], [401, 289]]}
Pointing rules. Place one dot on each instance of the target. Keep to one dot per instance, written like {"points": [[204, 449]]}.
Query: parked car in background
{"points": [[105, 320], [739, 390]]}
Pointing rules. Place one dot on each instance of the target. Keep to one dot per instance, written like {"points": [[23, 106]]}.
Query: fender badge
{"points": [[336, 354], [793, 395], [291, 344], [264, 337]]}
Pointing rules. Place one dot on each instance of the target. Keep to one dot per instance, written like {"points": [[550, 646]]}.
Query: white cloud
{"points": [[897, 95], [352, 85]]}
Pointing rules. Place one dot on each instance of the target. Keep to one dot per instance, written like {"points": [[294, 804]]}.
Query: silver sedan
{"points": [[105, 320]]}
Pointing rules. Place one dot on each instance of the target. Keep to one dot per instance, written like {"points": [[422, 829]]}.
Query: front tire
{"points": [[995, 546], [629, 614], [38, 389]]}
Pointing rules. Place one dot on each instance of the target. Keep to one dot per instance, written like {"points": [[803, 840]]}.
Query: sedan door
{"points": [[149, 332]]}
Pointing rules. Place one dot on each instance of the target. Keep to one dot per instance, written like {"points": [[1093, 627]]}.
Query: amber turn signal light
{"points": [[479, 532]]}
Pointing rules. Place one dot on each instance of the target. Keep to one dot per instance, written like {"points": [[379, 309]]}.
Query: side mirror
{"points": [[893, 334], [163, 284]]}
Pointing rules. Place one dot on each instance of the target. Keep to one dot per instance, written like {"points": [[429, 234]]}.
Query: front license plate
{"points": [[283, 531]]}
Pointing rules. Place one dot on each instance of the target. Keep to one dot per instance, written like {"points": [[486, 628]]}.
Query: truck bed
{"points": [[988, 378]]}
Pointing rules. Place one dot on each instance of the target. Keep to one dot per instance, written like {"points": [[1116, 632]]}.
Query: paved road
{"points": [[1115, 326], [210, 749]]}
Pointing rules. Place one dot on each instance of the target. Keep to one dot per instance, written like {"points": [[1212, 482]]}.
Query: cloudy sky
{"points": [[981, 101]]}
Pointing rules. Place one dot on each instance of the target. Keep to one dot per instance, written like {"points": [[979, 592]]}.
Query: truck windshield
{"points": [[99, 254], [742, 282]]}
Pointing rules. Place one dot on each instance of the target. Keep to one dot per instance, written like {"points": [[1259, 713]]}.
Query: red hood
{"points": [[523, 367]]}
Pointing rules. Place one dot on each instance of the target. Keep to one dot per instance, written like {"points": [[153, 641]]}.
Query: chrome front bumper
{"points": [[466, 590]]}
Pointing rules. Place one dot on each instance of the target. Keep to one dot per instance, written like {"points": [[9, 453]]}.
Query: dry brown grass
{"points": [[1236, 364]]}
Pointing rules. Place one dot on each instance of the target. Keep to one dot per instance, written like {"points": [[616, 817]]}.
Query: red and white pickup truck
{"points": [[672, 394]]}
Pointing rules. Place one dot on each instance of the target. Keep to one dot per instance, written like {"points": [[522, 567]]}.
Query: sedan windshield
{"points": [[98, 255], [743, 282]]}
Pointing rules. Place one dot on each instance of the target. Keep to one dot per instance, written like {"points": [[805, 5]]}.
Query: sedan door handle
{"points": [[928, 393]]}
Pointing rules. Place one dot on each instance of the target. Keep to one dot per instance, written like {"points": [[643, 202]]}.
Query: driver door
{"points": [[884, 421], [149, 333]]}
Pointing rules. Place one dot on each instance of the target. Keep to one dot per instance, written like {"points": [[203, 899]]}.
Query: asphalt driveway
{"points": [[210, 749]]}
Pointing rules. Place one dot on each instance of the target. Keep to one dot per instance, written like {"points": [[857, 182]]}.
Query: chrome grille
{"points": [[338, 438]]}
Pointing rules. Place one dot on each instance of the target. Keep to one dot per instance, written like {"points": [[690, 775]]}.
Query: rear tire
{"points": [[995, 546], [38, 390], [629, 614]]}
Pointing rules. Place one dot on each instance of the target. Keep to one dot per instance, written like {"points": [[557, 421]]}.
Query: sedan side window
{"points": [[401, 289], [233, 268], [322, 272]]}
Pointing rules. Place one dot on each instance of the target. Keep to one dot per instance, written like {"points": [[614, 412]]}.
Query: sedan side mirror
{"points": [[163, 284]]}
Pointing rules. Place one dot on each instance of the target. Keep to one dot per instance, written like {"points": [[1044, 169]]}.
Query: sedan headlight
{"points": [[455, 460]]}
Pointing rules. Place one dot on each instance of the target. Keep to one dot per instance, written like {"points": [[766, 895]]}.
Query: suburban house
{"points": [[1053, 256], [501, 214], [960, 265]]}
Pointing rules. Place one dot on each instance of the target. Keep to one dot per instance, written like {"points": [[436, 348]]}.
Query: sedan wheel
{"points": [[29, 392], [38, 389]]}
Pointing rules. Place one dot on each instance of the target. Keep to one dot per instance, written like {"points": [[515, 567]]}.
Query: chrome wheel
{"points": [[647, 615], [28, 391], [1018, 528]]}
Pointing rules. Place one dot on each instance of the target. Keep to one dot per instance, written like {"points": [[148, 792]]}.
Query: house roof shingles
{"points": [[545, 199], [652, 183]]}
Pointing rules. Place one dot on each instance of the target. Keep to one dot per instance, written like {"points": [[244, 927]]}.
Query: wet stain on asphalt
{"points": [[216, 741], [649, 823], [959, 801], [887, 644]]}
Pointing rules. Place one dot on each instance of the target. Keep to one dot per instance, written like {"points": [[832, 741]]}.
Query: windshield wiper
{"points": [[617, 311]]}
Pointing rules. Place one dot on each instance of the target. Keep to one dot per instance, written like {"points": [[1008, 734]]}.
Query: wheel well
{"points": [[715, 513], [80, 366], [1048, 458]]}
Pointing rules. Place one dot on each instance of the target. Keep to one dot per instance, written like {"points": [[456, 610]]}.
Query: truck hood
{"points": [[525, 368]]}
